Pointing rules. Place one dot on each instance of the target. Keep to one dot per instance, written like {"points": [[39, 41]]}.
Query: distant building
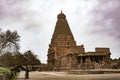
{"points": [[64, 54]]}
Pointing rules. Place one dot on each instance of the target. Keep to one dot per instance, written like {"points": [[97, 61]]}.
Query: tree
{"points": [[10, 55], [9, 44], [9, 41], [18, 59], [7, 59], [30, 60]]}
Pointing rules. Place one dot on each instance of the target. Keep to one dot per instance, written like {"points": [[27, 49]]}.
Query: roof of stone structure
{"points": [[93, 54]]}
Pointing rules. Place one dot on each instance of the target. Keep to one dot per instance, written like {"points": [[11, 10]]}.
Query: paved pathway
{"points": [[65, 76]]}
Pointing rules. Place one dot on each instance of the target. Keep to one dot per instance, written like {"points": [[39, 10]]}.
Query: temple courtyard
{"points": [[65, 76]]}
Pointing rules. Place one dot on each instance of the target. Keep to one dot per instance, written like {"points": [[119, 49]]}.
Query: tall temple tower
{"points": [[62, 35], [62, 46]]}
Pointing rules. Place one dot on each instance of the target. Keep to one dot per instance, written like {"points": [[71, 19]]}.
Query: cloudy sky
{"points": [[94, 23]]}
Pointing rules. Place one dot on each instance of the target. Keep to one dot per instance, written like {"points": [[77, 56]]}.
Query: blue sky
{"points": [[94, 23]]}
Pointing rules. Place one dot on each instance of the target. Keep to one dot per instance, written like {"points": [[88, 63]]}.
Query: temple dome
{"points": [[61, 16]]}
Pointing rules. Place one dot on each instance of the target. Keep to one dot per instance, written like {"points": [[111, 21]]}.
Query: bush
{"points": [[6, 72]]}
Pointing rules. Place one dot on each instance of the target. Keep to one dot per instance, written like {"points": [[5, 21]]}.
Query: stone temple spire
{"points": [[62, 32]]}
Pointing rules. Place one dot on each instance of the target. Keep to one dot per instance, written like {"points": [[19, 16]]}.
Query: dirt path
{"points": [[65, 76]]}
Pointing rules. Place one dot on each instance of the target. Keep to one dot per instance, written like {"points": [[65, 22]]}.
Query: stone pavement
{"points": [[65, 76]]}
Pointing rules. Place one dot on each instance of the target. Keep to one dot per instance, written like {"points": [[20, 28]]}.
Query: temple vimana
{"points": [[65, 54]]}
